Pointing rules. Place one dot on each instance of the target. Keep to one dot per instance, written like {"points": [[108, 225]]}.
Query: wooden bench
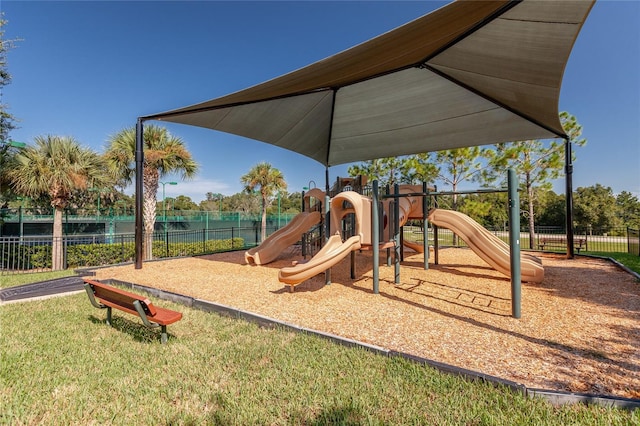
{"points": [[104, 296], [560, 241]]}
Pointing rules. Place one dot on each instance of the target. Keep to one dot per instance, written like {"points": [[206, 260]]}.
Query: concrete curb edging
{"points": [[554, 397]]}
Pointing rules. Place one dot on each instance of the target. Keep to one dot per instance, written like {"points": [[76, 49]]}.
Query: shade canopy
{"points": [[470, 73]]}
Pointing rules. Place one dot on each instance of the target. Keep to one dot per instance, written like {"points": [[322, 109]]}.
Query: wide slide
{"points": [[273, 245], [490, 248], [331, 253], [417, 247], [335, 249]]}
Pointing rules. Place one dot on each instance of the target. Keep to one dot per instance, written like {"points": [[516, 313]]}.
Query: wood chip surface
{"points": [[579, 330]]}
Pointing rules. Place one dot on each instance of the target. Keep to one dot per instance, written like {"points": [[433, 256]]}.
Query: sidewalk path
{"points": [[41, 289]]}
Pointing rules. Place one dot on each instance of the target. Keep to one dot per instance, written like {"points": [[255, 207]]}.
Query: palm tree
{"points": [[266, 179], [163, 154], [55, 167]]}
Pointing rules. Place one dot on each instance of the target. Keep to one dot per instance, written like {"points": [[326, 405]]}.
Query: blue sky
{"points": [[88, 69]]}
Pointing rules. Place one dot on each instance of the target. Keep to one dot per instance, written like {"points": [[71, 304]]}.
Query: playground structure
{"points": [[353, 224], [351, 229]]}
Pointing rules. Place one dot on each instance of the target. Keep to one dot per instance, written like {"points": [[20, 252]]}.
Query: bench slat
{"points": [[163, 316], [121, 298]]}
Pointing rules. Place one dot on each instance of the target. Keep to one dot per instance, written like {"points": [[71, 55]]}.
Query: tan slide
{"points": [[417, 247], [273, 245], [342, 205], [490, 248], [331, 253]]}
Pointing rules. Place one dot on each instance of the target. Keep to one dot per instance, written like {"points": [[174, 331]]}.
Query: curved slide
{"points": [[273, 245], [490, 248], [330, 254], [335, 249], [417, 247]]}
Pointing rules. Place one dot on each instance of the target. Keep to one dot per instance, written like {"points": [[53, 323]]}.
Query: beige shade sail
{"points": [[470, 73]]}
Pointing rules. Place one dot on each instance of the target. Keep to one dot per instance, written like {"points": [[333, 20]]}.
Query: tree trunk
{"points": [[57, 247], [263, 234], [532, 221], [150, 182], [454, 206]]}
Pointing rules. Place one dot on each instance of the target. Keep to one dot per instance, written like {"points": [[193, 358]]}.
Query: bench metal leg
{"points": [[163, 336], [95, 303], [143, 316]]}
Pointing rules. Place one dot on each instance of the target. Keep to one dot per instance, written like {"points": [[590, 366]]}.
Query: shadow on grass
{"points": [[342, 415], [138, 331]]}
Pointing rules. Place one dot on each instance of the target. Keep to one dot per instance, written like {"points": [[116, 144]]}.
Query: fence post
{"points": [[122, 252]]}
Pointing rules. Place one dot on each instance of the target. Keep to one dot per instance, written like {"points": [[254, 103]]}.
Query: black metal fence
{"points": [[34, 254], [633, 246], [553, 239]]}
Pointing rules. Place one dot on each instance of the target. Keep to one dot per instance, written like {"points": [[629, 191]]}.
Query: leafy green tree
{"points": [[243, 202], [629, 208], [537, 163], [595, 207], [56, 167], [411, 169], [212, 202], [551, 209], [183, 202], [7, 120], [488, 209], [266, 180], [460, 165], [123, 204], [419, 168], [385, 170], [291, 202], [163, 154], [7, 162]]}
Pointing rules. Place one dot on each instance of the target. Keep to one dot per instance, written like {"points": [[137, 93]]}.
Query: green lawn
{"points": [[629, 260], [27, 278], [62, 365]]}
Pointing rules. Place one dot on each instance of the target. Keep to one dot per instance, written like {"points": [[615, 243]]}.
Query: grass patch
{"points": [[19, 279], [62, 365], [629, 260]]}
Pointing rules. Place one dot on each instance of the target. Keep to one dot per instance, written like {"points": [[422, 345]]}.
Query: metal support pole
{"points": [[396, 234], [353, 265], [436, 243], [568, 169], [327, 219], [514, 243], [375, 237], [402, 244], [304, 236], [139, 199], [425, 225]]}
